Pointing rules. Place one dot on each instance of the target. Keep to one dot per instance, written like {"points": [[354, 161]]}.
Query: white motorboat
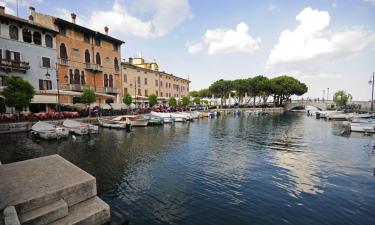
{"points": [[179, 117], [80, 128], [187, 115], [49, 131], [167, 117], [113, 124], [135, 120], [363, 127], [338, 116]]}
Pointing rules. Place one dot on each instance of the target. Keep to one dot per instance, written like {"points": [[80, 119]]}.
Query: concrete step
{"points": [[46, 214], [90, 212], [34, 183]]}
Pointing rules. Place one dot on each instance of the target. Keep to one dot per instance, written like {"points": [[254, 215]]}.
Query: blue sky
{"points": [[326, 43]]}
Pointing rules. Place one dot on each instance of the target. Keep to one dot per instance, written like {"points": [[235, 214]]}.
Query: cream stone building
{"points": [[140, 79]]}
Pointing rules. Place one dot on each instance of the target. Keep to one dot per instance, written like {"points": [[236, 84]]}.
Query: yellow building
{"points": [[140, 79]]}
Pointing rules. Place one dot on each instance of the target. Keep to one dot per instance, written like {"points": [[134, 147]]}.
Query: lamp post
{"points": [[48, 76], [135, 91], [371, 82], [327, 94]]}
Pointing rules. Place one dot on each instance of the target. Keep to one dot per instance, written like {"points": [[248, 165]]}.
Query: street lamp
{"points": [[48, 76], [371, 82]]}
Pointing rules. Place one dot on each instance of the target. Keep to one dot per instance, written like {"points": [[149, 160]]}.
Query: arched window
{"points": [[110, 81], [13, 32], [76, 77], [105, 80], [49, 41], [37, 38], [83, 82], [98, 61], [63, 53], [71, 78], [26, 34], [87, 56], [116, 64]]}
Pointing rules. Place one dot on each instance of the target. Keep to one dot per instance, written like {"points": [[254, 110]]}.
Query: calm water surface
{"points": [[285, 169]]}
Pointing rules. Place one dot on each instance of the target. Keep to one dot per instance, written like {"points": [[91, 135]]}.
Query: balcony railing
{"points": [[93, 67], [14, 65], [111, 90], [71, 87], [63, 61]]}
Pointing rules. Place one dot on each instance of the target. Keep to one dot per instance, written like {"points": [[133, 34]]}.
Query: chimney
{"points": [[32, 11], [106, 30], [2, 10], [74, 16]]}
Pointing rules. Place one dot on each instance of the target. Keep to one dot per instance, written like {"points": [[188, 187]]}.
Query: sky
{"points": [[323, 43]]}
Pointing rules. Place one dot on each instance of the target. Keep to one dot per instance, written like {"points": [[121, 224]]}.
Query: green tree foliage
{"points": [[222, 89], [241, 88], [204, 93], [172, 102], [283, 87], [185, 101], [18, 92], [341, 98], [152, 100], [197, 100], [194, 94], [127, 99], [88, 96]]}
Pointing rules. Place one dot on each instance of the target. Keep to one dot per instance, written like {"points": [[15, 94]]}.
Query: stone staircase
{"points": [[49, 190]]}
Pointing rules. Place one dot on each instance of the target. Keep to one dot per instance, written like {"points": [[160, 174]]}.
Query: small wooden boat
{"points": [[114, 124], [48, 131], [135, 120], [80, 128]]}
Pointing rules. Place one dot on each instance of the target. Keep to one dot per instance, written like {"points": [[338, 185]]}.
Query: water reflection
{"points": [[282, 169]]}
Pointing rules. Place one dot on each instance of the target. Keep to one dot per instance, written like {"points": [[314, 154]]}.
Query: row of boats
{"points": [[364, 122], [48, 131]]}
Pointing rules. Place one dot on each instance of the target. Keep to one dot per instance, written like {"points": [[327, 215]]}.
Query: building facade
{"points": [[85, 58], [140, 79], [28, 50]]}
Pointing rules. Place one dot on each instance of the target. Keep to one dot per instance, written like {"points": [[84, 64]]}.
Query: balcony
{"points": [[63, 61], [71, 87], [111, 90], [14, 65], [93, 67]]}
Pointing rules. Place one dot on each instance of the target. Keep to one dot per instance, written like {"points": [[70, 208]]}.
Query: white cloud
{"points": [[219, 41], [311, 40], [142, 18], [194, 48]]}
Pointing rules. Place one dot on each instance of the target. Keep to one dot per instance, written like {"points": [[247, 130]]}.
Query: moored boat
{"points": [[48, 131], [155, 121], [76, 127], [363, 127], [166, 117], [113, 124], [135, 120]]}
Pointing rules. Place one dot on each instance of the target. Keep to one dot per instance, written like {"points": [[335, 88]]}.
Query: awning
{"points": [[44, 99], [73, 93]]}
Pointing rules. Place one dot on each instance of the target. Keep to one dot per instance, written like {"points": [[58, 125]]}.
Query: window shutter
{"points": [[41, 84]]}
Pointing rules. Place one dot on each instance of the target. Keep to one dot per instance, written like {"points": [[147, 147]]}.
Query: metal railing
{"points": [[93, 67], [71, 87], [15, 65]]}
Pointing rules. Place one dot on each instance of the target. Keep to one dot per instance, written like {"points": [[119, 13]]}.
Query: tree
{"points": [[194, 94], [88, 96], [283, 87], [197, 100], [241, 87], [185, 101], [127, 99], [152, 100], [18, 92], [172, 102], [222, 89], [341, 98], [204, 93]]}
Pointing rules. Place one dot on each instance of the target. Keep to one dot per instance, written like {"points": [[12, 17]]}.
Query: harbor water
{"points": [[280, 169]]}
